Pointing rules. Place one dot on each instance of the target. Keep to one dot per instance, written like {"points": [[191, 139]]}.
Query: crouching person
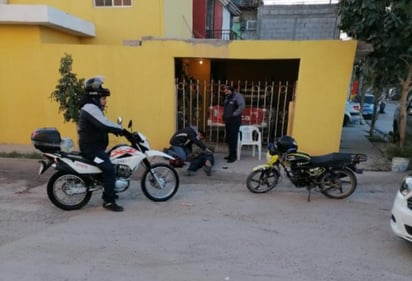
{"points": [[202, 158], [181, 144]]}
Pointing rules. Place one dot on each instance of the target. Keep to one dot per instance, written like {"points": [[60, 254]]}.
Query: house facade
{"points": [[213, 19], [135, 45]]}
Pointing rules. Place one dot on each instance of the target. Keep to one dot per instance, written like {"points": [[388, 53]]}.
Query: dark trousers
{"points": [[109, 176], [232, 131], [200, 160]]}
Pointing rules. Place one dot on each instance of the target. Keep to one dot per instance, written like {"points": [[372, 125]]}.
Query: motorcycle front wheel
{"points": [[160, 182], [68, 191], [338, 184], [263, 180]]}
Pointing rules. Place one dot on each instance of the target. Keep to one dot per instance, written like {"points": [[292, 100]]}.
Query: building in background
{"points": [[143, 47]]}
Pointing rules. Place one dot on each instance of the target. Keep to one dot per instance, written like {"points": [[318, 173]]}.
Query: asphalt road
{"points": [[213, 229]]}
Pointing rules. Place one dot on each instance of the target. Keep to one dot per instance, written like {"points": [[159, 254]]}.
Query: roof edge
{"points": [[48, 16]]}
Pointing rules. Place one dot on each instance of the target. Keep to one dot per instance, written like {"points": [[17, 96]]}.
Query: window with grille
{"points": [[112, 3]]}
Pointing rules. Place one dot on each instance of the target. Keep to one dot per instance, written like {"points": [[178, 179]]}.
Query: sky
{"points": [[288, 2]]}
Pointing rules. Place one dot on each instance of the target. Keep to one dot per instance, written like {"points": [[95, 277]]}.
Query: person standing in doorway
{"points": [[233, 108]]}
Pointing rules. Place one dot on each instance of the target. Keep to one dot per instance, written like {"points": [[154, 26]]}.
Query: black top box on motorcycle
{"points": [[46, 139]]}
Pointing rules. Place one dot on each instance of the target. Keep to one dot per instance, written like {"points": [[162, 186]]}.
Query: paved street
{"points": [[213, 229]]}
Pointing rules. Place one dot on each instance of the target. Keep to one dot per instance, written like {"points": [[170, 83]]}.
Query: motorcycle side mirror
{"points": [[130, 124], [119, 120]]}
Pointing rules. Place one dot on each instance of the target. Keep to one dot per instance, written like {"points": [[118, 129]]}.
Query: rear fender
{"points": [[357, 158], [76, 166], [47, 162], [360, 157], [354, 169], [45, 165]]}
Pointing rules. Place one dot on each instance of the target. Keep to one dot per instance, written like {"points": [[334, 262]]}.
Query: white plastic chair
{"points": [[249, 135]]}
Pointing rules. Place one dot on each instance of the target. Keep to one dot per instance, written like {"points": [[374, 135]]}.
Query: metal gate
{"points": [[200, 104]]}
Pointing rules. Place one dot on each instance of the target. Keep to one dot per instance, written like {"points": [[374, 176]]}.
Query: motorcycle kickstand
{"points": [[309, 191]]}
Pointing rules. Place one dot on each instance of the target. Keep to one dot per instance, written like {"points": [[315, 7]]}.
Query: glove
{"points": [[127, 134], [118, 133]]}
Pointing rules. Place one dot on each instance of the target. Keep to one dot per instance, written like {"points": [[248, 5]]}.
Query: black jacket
{"points": [[186, 137], [93, 127]]}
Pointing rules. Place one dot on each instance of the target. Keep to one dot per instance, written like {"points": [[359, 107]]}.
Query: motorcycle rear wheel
{"points": [[338, 184], [163, 185], [262, 181], [59, 189]]}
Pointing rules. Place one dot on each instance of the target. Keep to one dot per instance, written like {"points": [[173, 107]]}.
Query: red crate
{"points": [[253, 116], [250, 116], [216, 113]]}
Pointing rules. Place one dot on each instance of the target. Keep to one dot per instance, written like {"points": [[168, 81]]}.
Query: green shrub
{"points": [[15, 154], [396, 151], [68, 91]]}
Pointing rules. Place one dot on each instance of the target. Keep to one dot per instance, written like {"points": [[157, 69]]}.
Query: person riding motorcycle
{"points": [[93, 129]]}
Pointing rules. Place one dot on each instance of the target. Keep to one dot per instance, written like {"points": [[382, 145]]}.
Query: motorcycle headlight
{"points": [[406, 186]]}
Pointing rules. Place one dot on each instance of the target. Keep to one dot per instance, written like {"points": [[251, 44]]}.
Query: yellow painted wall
{"points": [[52, 36], [18, 35], [178, 21], [158, 18], [142, 82], [138, 91], [321, 94]]}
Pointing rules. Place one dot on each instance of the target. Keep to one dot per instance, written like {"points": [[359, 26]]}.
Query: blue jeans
{"points": [[109, 176], [178, 151]]}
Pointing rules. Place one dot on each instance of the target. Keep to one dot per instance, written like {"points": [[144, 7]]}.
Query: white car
{"points": [[352, 113], [401, 219]]}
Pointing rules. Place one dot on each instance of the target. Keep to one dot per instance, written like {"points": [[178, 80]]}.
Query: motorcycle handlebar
{"points": [[132, 137], [127, 134]]}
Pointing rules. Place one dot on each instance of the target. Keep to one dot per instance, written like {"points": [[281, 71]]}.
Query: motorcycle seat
{"points": [[331, 159]]}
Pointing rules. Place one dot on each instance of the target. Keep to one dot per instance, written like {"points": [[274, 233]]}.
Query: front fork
{"points": [[155, 178]]}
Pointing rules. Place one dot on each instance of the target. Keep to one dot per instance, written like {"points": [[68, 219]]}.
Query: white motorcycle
{"points": [[71, 187]]}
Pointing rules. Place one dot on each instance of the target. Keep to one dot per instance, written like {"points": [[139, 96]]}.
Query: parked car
{"points": [[368, 105], [401, 219], [352, 113]]}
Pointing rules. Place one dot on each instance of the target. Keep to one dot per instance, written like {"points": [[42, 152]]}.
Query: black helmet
{"points": [[286, 144], [272, 149], [93, 87]]}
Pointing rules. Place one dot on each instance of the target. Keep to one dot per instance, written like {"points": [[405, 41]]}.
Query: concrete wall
{"points": [[142, 82], [297, 22]]}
